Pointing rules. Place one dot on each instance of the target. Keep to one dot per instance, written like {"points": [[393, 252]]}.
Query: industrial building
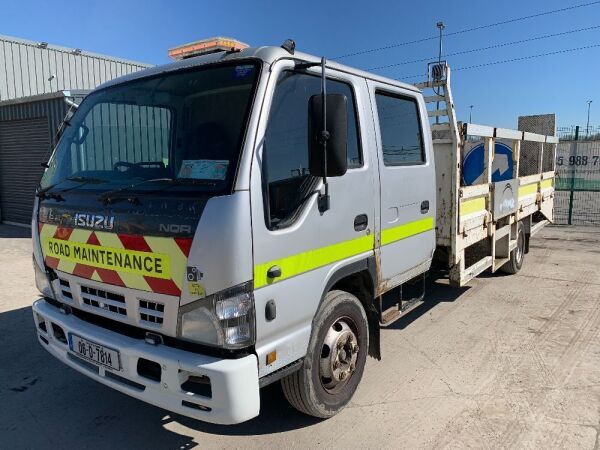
{"points": [[38, 83]]}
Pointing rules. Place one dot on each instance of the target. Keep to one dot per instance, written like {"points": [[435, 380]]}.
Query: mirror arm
{"points": [[323, 200]]}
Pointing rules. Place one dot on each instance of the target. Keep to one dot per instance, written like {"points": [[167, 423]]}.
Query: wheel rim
{"points": [[338, 355], [519, 249]]}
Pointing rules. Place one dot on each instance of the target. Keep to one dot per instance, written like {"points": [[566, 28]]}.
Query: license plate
{"points": [[98, 354]]}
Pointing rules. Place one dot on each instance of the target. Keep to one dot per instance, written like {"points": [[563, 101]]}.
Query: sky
{"points": [[143, 30]]}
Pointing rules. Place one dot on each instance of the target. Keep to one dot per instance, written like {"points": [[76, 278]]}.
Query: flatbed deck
{"points": [[476, 223]]}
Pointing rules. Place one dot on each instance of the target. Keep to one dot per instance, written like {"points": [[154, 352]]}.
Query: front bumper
{"points": [[234, 389]]}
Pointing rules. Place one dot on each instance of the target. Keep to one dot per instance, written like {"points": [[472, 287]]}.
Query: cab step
{"points": [[393, 305], [393, 313]]}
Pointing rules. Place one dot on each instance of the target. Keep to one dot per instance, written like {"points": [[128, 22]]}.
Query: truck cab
{"points": [[196, 237]]}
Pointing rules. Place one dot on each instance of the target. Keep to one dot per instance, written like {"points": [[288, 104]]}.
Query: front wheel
{"points": [[335, 359], [518, 254]]}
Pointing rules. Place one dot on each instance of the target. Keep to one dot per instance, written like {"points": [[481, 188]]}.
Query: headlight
{"points": [[41, 280], [225, 319]]}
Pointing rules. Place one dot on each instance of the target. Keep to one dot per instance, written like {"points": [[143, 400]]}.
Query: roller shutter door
{"points": [[24, 144]]}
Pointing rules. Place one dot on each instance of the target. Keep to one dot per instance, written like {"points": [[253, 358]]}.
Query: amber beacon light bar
{"points": [[206, 46]]}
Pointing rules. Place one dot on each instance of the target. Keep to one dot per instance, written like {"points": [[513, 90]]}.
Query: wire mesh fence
{"points": [[585, 133], [577, 197], [536, 157]]}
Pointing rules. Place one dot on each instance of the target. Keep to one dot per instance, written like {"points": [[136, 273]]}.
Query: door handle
{"points": [[424, 206], [274, 272], [361, 222]]}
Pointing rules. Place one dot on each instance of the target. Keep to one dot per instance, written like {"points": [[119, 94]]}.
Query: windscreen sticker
{"points": [[204, 169], [243, 71]]}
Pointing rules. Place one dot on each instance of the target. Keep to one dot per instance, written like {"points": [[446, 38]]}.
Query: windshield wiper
{"points": [[44, 193], [196, 181], [111, 196]]}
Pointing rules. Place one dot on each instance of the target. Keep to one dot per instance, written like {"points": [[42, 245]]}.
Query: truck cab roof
{"points": [[267, 54]]}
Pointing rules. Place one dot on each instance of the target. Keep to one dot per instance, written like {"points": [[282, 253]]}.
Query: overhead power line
{"points": [[468, 30], [505, 61], [490, 47]]}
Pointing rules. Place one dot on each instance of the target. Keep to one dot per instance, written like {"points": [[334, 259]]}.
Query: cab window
{"points": [[287, 182], [400, 129]]}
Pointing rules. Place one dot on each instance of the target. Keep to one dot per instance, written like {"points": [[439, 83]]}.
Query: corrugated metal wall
{"points": [[27, 132], [24, 144], [26, 66], [54, 109]]}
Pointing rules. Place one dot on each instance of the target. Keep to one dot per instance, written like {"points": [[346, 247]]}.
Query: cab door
{"points": [[296, 247], [407, 183]]}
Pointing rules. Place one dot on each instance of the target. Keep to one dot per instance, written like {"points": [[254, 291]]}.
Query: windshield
{"points": [[178, 126]]}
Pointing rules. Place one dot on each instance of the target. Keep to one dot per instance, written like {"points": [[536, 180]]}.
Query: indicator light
{"points": [[271, 357]]}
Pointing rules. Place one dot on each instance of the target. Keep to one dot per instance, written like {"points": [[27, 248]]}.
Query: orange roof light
{"points": [[206, 46]]}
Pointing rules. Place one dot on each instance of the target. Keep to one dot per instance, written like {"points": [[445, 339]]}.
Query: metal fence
{"points": [[577, 197], [585, 133]]}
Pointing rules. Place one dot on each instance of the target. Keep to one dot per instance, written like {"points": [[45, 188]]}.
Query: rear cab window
{"points": [[400, 129]]}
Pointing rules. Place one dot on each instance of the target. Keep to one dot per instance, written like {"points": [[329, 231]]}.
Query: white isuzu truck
{"points": [[250, 215]]}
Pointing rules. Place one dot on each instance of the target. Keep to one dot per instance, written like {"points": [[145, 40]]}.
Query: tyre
{"points": [[335, 359], [518, 254]]}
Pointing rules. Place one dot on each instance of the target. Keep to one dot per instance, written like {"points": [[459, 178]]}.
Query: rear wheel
{"points": [[518, 254], [335, 360]]}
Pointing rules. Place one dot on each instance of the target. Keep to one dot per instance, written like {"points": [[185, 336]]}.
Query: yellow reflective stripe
{"points": [[66, 265], [106, 240], [313, 259], [471, 206], [96, 277], [134, 281], [131, 280], [178, 261], [546, 183], [80, 235], [77, 235], [406, 230], [527, 189], [47, 232]]}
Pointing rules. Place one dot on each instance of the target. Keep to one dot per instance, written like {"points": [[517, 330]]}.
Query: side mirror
{"points": [[337, 143], [81, 135]]}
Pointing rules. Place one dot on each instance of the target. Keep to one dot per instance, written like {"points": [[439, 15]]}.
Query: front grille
{"points": [[65, 289], [108, 301], [148, 313], [152, 312]]}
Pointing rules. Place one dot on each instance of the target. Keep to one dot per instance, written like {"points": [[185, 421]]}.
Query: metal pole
{"points": [[587, 128], [441, 27], [572, 193], [470, 113]]}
